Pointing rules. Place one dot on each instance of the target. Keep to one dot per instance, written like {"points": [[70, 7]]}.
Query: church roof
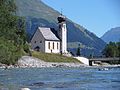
{"points": [[48, 34]]}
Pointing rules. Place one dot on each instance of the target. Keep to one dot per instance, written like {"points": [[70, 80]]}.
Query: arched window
{"points": [[37, 48], [57, 46], [64, 27], [48, 45], [53, 45]]}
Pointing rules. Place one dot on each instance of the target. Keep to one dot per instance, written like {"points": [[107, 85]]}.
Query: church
{"points": [[46, 40]]}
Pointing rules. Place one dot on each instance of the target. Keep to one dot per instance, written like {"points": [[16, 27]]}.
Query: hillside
{"points": [[39, 14], [54, 57], [112, 35]]}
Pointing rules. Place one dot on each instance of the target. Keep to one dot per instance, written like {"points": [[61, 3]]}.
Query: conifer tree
{"points": [[78, 51], [12, 33]]}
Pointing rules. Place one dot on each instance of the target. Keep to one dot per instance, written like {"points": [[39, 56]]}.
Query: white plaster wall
{"points": [[83, 60], [38, 37], [64, 38], [55, 50]]}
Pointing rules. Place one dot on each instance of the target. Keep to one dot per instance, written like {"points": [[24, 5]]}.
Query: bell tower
{"points": [[62, 34]]}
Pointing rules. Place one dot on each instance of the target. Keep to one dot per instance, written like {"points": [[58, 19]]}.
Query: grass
{"points": [[54, 57]]}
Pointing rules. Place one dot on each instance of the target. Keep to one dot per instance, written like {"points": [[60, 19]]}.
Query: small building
{"points": [[45, 40]]}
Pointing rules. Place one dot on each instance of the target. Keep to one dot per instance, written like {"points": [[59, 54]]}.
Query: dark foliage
{"points": [[12, 33], [112, 50], [78, 51]]}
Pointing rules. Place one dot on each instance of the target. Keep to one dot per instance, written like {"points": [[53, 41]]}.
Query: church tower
{"points": [[62, 34]]}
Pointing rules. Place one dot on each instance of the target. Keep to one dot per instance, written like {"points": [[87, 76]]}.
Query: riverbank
{"points": [[32, 62], [27, 62]]}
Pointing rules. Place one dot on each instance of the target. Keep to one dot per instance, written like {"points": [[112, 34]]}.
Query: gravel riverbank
{"points": [[27, 61]]}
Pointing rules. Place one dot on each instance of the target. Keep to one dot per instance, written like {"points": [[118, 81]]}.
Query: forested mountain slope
{"points": [[39, 14]]}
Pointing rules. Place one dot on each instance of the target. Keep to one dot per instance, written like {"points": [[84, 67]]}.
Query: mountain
{"points": [[112, 35], [38, 13]]}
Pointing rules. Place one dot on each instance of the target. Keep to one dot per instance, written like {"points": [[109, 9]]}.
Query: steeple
{"points": [[62, 33], [61, 19]]}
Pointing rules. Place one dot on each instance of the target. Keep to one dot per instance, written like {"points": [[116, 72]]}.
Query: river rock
{"points": [[25, 89], [28, 61], [38, 84]]}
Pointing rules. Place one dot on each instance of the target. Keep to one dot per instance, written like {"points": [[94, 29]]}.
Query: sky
{"points": [[98, 16]]}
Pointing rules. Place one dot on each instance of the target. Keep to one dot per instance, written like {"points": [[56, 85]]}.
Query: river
{"points": [[84, 78]]}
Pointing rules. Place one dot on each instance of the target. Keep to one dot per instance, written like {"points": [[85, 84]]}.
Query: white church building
{"points": [[45, 40]]}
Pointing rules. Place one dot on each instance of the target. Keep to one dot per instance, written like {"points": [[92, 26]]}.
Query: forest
{"points": [[12, 33], [112, 49]]}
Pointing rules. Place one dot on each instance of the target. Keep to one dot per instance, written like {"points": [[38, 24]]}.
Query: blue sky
{"points": [[98, 16]]}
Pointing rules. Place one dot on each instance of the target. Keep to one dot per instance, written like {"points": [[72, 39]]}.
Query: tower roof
{"points": [[61, 18]]}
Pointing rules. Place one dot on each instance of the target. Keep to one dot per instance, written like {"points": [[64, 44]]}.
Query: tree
{"points": [[111, 50], [118, 47], [78, 51], [12, 33], [91, 55]]}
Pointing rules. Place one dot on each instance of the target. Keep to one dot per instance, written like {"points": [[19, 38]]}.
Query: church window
{"points": [[64, 27], [48, 45], [40, 41], [53, 45], [57, 45]]}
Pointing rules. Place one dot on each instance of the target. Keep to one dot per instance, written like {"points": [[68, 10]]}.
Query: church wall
{"points": [[50, 48], [64, 38], [38, 41]]}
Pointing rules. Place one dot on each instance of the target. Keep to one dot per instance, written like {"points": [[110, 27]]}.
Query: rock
{"points": [[27, 61], [25, 89], [103, 69], [106, 69], [38, 84], [4, 89], [83, 60]]}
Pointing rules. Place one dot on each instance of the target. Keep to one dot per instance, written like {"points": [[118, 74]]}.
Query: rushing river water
{"points": [[60, 78]]}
